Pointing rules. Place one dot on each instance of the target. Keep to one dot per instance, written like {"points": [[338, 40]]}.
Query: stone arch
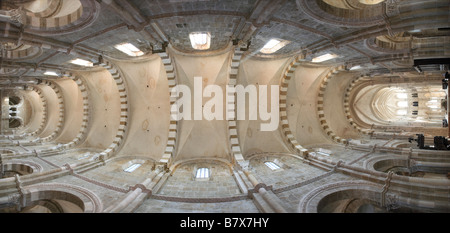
{"points": [[20, 167], [15, 123], [169, 67], [290, 138], [44, 106], [86, 200], [320, 105], [348, 113], [232, 123], [349, 201], [221, 183], [60, 98], [15, 100], [20, 52], [389, 44], [121, 132], [317, 199], [405, 166], [8, 151], [383, 91], [62, 17], [358, 15], [179, 163], [85, 121]]}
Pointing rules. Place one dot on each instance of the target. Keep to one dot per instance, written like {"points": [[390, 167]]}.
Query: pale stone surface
{"points": [[337, 143]]}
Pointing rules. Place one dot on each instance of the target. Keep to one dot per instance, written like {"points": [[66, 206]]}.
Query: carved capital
{"points": [[15, 16], [391, 202], [392, 7], [244, 165], [14, 199]]}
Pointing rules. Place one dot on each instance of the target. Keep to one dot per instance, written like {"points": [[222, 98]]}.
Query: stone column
{"points": [[4, 126], [139, 193], [264, 197]]}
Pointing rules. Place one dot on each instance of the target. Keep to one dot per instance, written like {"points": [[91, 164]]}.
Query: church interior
{"points": [[90, 91]]}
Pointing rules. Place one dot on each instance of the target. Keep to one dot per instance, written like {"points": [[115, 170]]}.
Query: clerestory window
{"points": [[200, 40], [273, 166], [202, 173], [132, 167]]}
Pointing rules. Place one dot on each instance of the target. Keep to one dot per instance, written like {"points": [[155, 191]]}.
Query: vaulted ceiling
{"points": [[383, 37], [336, 119]]}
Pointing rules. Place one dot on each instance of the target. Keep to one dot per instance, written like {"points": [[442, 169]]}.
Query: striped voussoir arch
{"points": [[17, 136], [52, 9], [231, 106], [288, 74], [320, 103], [85, 118], [348, 114], [120, 135], [44, 113], [23, 54], [59, 126], [37, 21], [49, 22], [83, 128], [169, 152], [22, 165]]}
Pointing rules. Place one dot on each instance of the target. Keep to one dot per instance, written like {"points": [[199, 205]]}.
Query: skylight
{"points": [[200, 40], [403, 104], [324, 57], [371, 2], [273, 45], [129, 49], [272, 165], [323, 151], [415, 31], [433, 104], [202, 173], [356, 67], [133, 167], [84, 156], [82, 62], [402, 95], [402, 112], [51, 73]]}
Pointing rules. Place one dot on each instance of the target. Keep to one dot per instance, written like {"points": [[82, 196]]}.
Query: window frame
{"points": [[272, 165], [203, 173], [132, 167]]}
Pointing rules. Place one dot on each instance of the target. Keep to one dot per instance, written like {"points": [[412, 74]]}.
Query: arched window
{"points": [[272, 165], [402, 112], [200, 40], [202, 173], [402, 104], [402, 95], [129, 49], [132, 167]]}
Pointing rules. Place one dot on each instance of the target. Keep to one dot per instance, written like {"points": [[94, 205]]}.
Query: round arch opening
{"points": [[350, 201], [14, 100], [12, 169], [415, 169]]}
